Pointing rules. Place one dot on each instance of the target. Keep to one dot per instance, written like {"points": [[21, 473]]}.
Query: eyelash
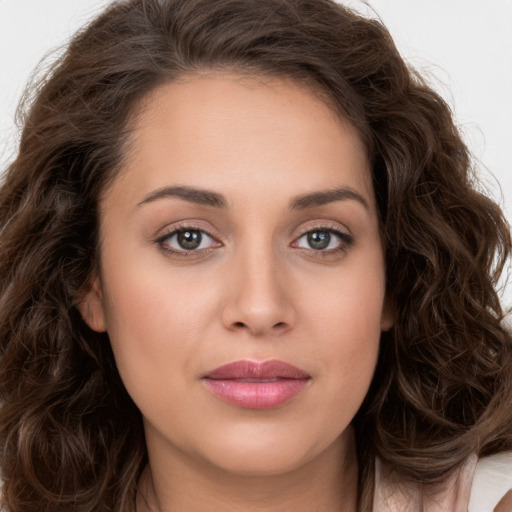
{"points": [[184, 253], [345, 241]]}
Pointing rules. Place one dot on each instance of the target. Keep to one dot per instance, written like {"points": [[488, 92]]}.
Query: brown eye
{"points": [[326, 240], [189, 239], [185, 240], [319, 240]]}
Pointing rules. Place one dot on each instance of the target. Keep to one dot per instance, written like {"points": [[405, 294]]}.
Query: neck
{"points": [[327, 483]]}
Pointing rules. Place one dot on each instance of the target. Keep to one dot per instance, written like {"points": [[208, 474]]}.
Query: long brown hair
{"points": [[70, 436]]}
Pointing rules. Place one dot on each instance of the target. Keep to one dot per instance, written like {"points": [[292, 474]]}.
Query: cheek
{"points": [[345, 317], [157, 322], [347, 304], [350, 347], [149, 295]]}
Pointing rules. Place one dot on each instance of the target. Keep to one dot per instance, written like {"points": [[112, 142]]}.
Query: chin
{"points": [[268, 453], [247, 463]]}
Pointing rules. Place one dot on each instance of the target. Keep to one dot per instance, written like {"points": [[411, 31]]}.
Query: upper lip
{"points": [[246, 369]]}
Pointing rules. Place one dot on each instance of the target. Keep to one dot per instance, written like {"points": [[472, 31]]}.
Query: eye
{"points": [[324, 239], [185, 240]]}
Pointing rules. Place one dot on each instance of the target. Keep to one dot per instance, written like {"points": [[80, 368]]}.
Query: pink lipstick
{"points": [[256, 385]]}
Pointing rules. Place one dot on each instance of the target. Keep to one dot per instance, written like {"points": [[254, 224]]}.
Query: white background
{"points": [[465, 46]]}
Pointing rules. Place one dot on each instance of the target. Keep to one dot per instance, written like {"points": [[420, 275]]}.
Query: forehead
{"points": [[228, 130]]}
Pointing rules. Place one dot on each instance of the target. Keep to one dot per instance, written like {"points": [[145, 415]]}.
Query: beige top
{"points": [[481, 485]]}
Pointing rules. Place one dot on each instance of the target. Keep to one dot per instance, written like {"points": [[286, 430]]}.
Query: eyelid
{"points": [[173, 229], [320, 224], [346, 238], [344, 235], [324, 225]]}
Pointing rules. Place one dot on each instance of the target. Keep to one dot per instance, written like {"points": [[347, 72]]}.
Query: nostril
{"points": [[243, 325]]}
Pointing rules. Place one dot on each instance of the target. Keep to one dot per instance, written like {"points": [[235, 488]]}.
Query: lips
{"points": [[256, 385]]}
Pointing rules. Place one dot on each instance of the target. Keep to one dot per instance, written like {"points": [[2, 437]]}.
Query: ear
{"points": [[388, 315], [91, 307]]}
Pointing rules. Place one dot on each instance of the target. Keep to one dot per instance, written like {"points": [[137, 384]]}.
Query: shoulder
{"points": [[492, 481], [480, 485]]}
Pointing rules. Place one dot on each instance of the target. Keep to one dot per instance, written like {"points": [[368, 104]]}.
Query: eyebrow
{"points": [[191, 194], [210, 198], [321, 198]]}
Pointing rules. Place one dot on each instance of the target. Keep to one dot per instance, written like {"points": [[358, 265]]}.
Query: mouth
{"points": [[256, 385]]}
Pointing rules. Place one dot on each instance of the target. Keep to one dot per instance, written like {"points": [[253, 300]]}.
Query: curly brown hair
{"points": [[70, 436]]}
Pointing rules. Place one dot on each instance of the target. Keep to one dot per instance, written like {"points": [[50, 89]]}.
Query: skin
{"points": [[256, 289]]}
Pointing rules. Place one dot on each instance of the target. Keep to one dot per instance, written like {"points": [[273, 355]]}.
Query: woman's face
{"points": [[243, 229]]}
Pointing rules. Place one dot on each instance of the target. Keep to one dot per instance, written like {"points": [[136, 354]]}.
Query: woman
{"points": [[245, 267]]}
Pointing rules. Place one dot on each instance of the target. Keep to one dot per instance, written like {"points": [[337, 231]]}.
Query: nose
{"points": [[259, 299]]}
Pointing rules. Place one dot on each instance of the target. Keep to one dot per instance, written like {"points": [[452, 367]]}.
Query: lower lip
{"points": [[256, 395]]}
